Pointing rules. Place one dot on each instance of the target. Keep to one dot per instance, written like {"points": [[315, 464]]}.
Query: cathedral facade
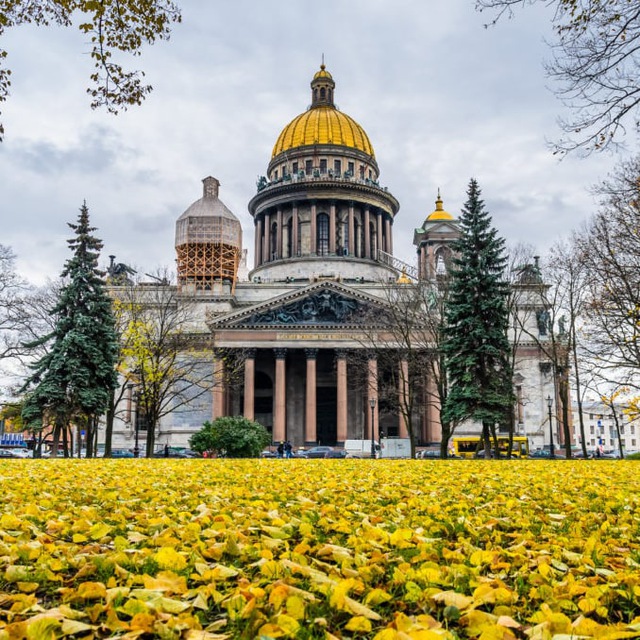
{"points": [[297, 327]]}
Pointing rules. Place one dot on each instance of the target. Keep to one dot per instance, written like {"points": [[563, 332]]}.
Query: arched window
{"points": [[442, 261], [274, 241], [322, 242], [323, 93]]}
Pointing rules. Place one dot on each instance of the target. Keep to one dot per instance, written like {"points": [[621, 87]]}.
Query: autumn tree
{"points": [[112, 26], [405, 339], [14, 319], [609, 246], [73, 379], [476, 345], [594, 63], [167, 358]]}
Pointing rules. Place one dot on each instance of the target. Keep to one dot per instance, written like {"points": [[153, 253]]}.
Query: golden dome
{"points": [[439, 213], [322, 123], [323, 73]]}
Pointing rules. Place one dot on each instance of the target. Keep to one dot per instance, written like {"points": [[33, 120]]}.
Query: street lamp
{"points": [[372, 403], [136, 426], [552, 452]]}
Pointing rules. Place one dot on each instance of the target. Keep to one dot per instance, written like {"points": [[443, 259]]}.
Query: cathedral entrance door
{"points": [[326, 415]]}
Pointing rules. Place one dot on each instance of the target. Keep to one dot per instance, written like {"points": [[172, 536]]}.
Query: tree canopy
{"points": [[113, 26], [74, 378], [594, 64], [476, 346]]}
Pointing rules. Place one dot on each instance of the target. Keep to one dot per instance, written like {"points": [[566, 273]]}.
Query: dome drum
{"points": [[321, 199]]}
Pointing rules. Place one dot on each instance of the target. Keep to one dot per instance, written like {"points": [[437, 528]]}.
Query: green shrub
{"points": [[232, 437]]}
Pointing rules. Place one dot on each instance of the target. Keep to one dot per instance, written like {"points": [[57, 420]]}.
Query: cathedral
{"points": [[324, 262]]}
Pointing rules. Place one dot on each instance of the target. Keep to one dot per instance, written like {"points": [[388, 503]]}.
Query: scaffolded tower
{"points": [[208, 241]]}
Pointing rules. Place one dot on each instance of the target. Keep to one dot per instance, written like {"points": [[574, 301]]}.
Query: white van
{"points": [[395, 448], [360, 448]]}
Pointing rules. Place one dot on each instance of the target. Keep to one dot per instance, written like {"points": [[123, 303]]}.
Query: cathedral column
{"points": [[352, 231], [314, 222], [258, 242], [387, 235], [367, 235], [280, 404], [310, 428], [265, 238], [379, 234], [294, 232], [403, 395], [423, 262], [219, 399], [372, 394], [279, 232], [332, 228], [341, 362], [249, 384]]}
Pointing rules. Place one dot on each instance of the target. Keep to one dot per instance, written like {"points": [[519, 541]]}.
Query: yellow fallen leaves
{"points": [[391, 550]]}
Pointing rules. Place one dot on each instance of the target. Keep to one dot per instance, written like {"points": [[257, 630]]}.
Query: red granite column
{"points": [[249, 384], [310, 427], [280, 404], [341, 362]]}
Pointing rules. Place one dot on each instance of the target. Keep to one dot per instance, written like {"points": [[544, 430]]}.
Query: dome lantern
{"points": [[322, 87]]}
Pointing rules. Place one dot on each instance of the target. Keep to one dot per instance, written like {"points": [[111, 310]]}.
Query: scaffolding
{"points": [[208, 242]]}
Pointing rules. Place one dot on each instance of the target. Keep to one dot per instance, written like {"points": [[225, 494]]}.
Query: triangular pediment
{"points": [[321, 304]]}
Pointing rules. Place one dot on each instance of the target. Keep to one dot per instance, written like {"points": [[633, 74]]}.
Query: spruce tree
{"points": [[476, 346], [72, 382]]}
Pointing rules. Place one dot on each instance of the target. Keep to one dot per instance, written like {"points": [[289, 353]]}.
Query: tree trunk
{"points": [[108, 429]]}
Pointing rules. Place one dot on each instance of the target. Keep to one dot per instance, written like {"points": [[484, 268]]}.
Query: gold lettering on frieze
{"points": [[315, 336]]}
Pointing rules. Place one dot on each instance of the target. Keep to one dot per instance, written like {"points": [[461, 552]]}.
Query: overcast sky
{"points": [[442, 99]]}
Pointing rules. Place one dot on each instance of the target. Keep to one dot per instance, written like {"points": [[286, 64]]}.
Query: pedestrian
{"points": [[280, 450], [166, 450], [288, 449]]}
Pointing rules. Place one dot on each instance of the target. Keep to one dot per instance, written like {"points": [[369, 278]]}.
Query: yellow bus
{"points": [[468, 446]]}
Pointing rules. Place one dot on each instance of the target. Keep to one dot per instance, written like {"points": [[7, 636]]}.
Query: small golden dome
{"points": [[403, 278], [323, 125], [323, 73], [439, 213]]}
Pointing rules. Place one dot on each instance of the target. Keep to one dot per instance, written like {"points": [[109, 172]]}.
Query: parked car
{"points": [[175, 452], [9, 453], [315, 452], [336, 453], [121, 453]]}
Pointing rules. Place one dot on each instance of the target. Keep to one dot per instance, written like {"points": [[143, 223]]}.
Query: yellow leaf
{"points": [[71, 627], [360, 609], [477, 621], [358, 623], [453, 599], [377, 596], [296, 607], [169, 558], [99, 530], [43, 629], [92, 591]]}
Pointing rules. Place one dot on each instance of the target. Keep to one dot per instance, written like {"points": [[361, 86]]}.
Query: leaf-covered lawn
{"points": [[204, 549]]}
